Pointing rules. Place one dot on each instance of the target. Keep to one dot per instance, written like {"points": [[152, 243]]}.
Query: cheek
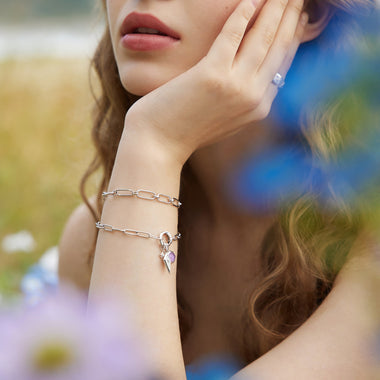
{"points": [[113, 8], [209, 17]]}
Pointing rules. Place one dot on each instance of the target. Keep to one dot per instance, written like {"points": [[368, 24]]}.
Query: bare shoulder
{"points": [[75, 247], [337, 341]]}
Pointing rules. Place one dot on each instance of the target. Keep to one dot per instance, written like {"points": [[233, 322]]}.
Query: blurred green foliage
{"points": [[45, 145]]}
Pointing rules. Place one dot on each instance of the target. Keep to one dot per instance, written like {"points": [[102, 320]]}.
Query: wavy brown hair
{"points": [[302, 251]]}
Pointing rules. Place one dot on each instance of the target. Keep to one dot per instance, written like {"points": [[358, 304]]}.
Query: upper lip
{"points": [[144, 20]]}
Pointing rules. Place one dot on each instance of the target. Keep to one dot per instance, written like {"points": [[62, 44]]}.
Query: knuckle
{"points": [[236, 90], [263, 111], [286, 41], [253, 100], [212, 80], [215, 81], [296, 5], [246, 12], [267, 36], [234, 36], [283, 4]]}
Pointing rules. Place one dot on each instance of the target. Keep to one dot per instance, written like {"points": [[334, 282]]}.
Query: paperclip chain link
{"points": [[144, 194], [127, 231]]}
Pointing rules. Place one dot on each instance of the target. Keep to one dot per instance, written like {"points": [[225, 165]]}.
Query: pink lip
{"points": [[146, 42], [144, 20]]}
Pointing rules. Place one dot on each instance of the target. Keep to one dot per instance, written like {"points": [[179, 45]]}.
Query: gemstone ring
{"points": [[278, 80]]}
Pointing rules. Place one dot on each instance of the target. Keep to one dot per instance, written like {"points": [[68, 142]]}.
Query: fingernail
{"points": [[304, 18]]}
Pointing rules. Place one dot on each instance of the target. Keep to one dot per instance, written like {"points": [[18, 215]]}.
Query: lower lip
{"points": [[145, 42]]}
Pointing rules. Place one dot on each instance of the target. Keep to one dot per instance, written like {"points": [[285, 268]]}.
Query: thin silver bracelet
{"points": [[165, 239], [144, 194]]}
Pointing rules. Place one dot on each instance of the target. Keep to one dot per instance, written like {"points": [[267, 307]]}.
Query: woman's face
{"points": [[197, 23]]}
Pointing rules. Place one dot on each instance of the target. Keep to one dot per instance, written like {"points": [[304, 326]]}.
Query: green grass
{"points": [[45, 147]]}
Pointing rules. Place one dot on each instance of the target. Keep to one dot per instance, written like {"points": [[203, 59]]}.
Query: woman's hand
{"points": [[230, 87]]}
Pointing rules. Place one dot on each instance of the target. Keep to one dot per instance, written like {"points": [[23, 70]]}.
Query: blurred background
{"points": [[45, 122], [45, 144]]}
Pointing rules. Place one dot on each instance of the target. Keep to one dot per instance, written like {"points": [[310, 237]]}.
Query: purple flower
{"points": [[58, 339]]}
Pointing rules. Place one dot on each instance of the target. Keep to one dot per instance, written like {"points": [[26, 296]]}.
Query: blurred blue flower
{"points": [[213, 367], [41, 277], [318, 74], [275, 175], [279, 174], [356, 170], [58, 339]]}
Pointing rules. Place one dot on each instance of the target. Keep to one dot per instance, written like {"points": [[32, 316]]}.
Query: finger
{"points": [[287, 61], [227, 43], [259, 39], [271, 91], [289, 37], [285, 66]]}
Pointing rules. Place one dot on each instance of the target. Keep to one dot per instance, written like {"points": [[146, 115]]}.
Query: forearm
{"points": [[130, 267]]}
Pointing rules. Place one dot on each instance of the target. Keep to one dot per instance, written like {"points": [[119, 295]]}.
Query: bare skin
{"points": [[216, 323], [212, 320], [219, 101]]}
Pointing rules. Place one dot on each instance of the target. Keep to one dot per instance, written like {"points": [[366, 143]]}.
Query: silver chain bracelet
{"points": [[144, 194], [165, 239]]}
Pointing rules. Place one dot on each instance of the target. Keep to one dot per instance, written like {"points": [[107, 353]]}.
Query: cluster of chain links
{"points": [[165, 238], [144, 194], [142, 234]]}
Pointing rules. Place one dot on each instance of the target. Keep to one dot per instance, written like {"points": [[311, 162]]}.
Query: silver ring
{"points": [[278, 80], [166, 239]]}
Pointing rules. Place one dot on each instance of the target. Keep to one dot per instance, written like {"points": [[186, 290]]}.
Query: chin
{"points": [[137, 87], [140, 79]]}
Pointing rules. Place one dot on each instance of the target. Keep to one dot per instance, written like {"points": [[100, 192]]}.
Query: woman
{"points": [[177, 108]]}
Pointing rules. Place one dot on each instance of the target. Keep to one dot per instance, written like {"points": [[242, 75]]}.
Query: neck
{"points": [[213, 164], [224, 238]]}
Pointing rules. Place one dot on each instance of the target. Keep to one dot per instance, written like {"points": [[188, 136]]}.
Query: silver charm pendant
{"points": [[167, 256]]}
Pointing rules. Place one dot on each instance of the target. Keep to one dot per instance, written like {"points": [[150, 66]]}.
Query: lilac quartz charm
{"points": [[167, 256], [171, 256]]}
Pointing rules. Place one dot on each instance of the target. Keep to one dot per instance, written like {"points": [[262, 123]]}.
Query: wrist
{"points": [[142, 162], [146, 138]]}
